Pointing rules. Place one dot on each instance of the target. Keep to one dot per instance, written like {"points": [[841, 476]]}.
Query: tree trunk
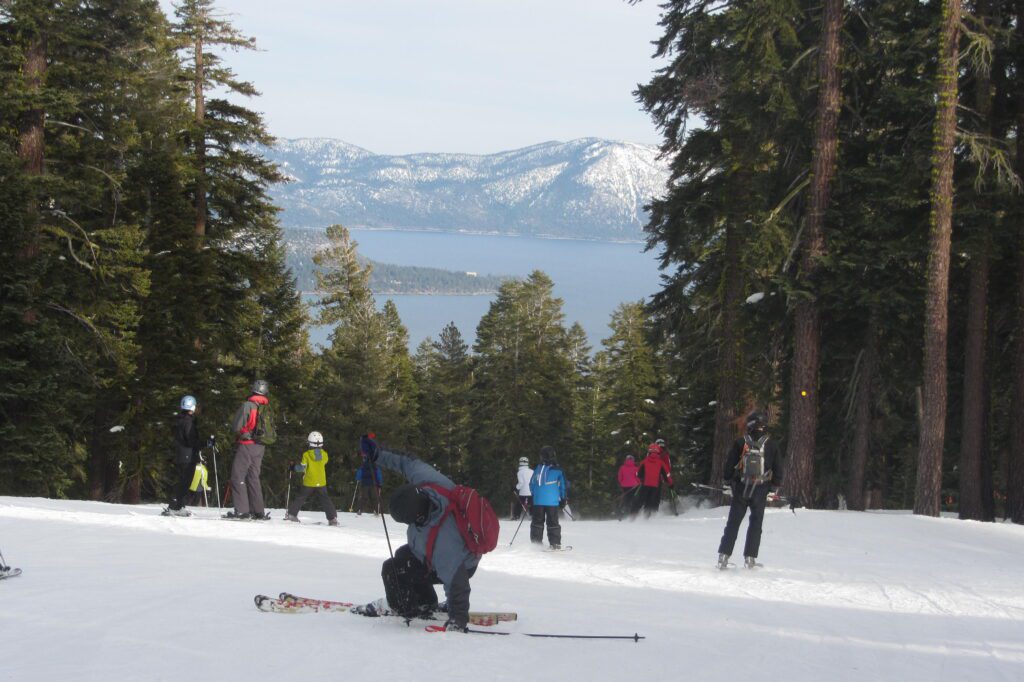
{"points": [[731, 359], [862, 418], [1015, 456], [928, 489], [200, 228], [803, 403], [30, 135], [974, 398]]}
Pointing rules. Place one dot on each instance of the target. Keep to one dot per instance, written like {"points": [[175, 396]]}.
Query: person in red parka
{"points": [[629, 482], [652, 470]]}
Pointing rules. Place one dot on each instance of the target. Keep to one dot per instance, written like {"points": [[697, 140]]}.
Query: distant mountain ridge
{"points": [[587, 188]]}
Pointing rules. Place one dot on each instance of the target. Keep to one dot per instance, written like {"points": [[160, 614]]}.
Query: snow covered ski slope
{"points": [[112, 592]]}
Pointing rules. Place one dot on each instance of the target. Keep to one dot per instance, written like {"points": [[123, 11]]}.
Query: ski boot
{"points": [[375, 609], [751, 562], [238, 516], [723, 562], [265, 516], [291, 517], [333, 522]]}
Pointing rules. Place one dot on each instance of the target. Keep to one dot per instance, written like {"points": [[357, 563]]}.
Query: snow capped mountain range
{"points": [[585, 188]]}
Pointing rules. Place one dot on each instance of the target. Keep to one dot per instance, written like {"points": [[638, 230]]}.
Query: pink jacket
{"points": [[628, 474]]}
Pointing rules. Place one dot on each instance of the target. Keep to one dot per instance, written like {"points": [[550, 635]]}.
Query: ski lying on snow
{"points": [[290, 603], [563, 548]]}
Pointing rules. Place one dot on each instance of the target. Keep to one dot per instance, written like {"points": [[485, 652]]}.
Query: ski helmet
{"points": [[315, 439], [629, 458], [188, 403], [756, 423], [524, 462], [547, 454], [260, 387], [409, 505], [660, 442]]}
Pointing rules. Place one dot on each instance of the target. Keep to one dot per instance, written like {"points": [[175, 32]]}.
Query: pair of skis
{"points": [[290, 603]]}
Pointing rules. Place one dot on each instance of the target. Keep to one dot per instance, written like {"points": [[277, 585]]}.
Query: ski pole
{"points": [[288, 492], [636, 637], [521, 519], [568, 511], [216, 477], [672, 501], [352, 504]]}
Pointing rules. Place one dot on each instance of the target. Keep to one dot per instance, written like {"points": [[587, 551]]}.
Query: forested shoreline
{"points": [[842, 237]]}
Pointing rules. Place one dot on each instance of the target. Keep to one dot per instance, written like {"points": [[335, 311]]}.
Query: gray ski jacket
{"points": [[452, 561]]}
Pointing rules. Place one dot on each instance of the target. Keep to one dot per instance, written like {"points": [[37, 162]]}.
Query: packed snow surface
{"points": [[113, 592]]}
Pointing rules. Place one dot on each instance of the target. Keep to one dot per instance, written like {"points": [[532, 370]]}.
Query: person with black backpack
{"points": [[254, 425], [450, 527], [186, 456], [754, 467]]}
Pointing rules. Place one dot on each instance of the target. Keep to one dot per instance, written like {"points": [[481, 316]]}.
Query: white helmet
{"points": [[524, 462], [315, 439], [188, 403]]}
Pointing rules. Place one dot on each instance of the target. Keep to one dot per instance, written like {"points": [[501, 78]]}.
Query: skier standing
{"points": [[435, 551], [186, 456], [314, 480], [753, 467], [549, 489], [255, 431], [368, 475], [629, 482], [653, 469], [523, 476]]}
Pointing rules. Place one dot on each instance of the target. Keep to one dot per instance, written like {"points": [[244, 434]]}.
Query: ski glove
{"points": [[300, 468]]}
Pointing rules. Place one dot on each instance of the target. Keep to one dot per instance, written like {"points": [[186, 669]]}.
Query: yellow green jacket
{"points": [[316, 468]]}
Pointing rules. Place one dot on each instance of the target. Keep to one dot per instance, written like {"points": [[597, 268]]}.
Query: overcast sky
{"points": [[474, 76]]}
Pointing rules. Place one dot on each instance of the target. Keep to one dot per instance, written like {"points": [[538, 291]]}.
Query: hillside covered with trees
{"points": [[842, 237]]}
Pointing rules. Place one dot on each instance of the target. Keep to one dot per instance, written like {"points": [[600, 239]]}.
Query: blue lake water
{"points": [[591, 278]]}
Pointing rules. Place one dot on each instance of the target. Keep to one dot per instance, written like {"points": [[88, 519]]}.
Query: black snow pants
{"points": [[186, 472], [321, 493], [756, 504], [550, 514]]}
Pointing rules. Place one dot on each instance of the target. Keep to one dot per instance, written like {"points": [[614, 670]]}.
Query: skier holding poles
{"points": [[441, 547], [629, 482], [754, 467], [186, 456], [549, 489], [314, 480], [523, 495]]}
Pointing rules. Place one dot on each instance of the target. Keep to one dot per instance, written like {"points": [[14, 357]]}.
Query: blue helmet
{"points": [[188, 403]]}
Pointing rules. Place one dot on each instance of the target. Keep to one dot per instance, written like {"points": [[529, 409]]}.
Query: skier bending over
{"points": [[754, 467], [409, 577]]}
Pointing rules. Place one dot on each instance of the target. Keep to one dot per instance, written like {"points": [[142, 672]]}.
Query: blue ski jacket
{"points": [[548, 486]]}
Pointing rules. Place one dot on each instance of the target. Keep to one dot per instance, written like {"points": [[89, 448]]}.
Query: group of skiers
{"points": [[254, 430], [450, 526], [752, 470]]}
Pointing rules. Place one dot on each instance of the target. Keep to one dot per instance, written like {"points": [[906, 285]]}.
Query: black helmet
{"points": [[757, 423], [260, 387], [547, 454], [409, 505]]}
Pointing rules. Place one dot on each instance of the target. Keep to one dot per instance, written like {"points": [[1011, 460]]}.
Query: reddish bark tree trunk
{"points": [[803, 403], [30, 138], [928, 489]]}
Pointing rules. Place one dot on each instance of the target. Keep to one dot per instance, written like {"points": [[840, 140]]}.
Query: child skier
{"points": [[314, 480], [550, 491], [525, 497]]}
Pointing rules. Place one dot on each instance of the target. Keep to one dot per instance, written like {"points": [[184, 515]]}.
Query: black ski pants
{"points": [[648, 499], [321, 493], [550, 514], [186, 472], [756, 504]]}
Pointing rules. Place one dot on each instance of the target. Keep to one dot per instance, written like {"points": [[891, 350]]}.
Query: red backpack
{"points": [[474, 517]]}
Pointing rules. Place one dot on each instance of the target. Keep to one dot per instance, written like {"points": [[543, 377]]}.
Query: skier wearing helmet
{"points": [[255, 430], [186, 456], [313, 468], [753, 467], [522, 489]]}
